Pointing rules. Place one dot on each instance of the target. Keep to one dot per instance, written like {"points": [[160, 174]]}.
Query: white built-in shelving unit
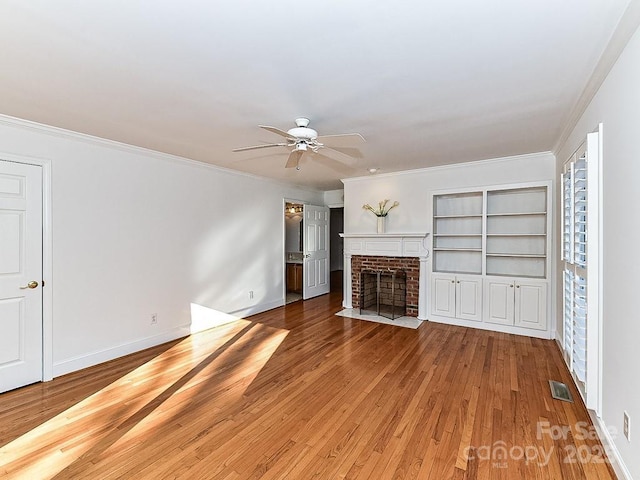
{"points": [[517, 232], [457, 233], [491, 257]]}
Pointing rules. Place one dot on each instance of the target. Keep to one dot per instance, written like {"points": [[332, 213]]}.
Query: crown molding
{"points": [[627, 26], [133, 149], [437, 168]]}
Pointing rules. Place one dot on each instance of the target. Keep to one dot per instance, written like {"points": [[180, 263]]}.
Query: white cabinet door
{"points": [[499, 301], [443, 295], [531, 305], [469, 298], [514, 302]]}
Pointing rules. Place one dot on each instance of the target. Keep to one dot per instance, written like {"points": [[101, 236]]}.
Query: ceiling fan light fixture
{"points": [[373, 170], [302, 139]]}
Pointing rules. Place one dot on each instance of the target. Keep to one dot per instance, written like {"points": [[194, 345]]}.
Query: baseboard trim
{"points": [[89, 360], [84, 361], [255, 309], [493, 327], [619, 467]]}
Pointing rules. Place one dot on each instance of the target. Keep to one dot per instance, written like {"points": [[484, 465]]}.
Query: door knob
{"points": [[31, 284]]}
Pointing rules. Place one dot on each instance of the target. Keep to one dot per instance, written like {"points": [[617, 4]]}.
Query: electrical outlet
{"points": [[251, 294], [626, 426], [154, 318]]}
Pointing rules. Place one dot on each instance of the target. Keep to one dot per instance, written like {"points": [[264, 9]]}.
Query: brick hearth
{"points": [[411, 266]]}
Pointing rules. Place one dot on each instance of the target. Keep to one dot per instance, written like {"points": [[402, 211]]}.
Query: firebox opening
{"points": [[383, 293]]}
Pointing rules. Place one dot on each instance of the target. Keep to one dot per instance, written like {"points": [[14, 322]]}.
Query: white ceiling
{"points": [[426, 82]]}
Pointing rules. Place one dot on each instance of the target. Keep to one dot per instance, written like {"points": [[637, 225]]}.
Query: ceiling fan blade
{"points": [[294, 159], [333, 164], [277, 131], [353, 152], [339, 156], [345, 139], [242, 149]]}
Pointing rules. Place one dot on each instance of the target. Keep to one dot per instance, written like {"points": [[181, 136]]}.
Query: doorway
{"points": [[307, 247], [337, 248], [293, 251]]}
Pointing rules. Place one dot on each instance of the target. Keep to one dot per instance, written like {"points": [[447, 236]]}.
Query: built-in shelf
{"points": [[457, 272], [491, 258], [497, 232], [518, 255], [457, 235], [438, 249], [516, 234], [514, 214]]}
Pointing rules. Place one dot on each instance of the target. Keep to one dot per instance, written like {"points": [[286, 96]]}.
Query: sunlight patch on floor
{"points": [[203, 318], [145, 398]]}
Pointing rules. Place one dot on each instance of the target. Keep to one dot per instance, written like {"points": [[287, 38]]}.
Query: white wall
{"points": [[334, 198], [617, 105], [136, 233], [414, 189]]}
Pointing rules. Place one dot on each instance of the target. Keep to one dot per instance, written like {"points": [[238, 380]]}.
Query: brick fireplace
{"points": [[385, 252], [410, 265]]}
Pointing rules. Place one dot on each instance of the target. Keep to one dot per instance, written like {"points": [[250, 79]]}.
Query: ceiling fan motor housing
{"points": [[304, 133]]}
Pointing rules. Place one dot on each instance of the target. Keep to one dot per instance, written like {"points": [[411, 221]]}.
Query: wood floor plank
{"points": [[299, 393]]}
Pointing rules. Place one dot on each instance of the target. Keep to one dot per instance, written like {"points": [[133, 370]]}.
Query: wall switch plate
{"points": [[626, 426], [251, 294], [154, 318]]}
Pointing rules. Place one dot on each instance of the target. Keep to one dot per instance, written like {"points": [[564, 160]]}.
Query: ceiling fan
{"points": [[304, 139]]}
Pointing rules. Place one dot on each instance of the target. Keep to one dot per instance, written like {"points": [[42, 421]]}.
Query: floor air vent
{"points": [[560, 391]]}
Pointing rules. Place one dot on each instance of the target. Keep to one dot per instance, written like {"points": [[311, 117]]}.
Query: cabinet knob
{"points": [[453, 281], [510, 286], [517, 286], [458, 281]]}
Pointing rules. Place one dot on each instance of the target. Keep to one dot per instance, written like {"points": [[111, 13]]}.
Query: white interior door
{"points": [[316, 251], [20, 275]]}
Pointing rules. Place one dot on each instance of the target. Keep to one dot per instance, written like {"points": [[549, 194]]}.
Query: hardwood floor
{"points": [[299, 393]]}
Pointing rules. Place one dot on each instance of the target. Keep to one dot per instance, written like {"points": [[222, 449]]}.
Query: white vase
{"points": [[381, 224]]}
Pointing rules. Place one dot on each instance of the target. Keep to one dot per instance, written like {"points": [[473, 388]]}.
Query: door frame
{"points": [[47, 258], [286, 200]]}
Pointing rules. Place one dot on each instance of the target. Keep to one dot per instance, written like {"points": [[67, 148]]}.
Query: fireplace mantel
{"points": [[387, 245]]}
